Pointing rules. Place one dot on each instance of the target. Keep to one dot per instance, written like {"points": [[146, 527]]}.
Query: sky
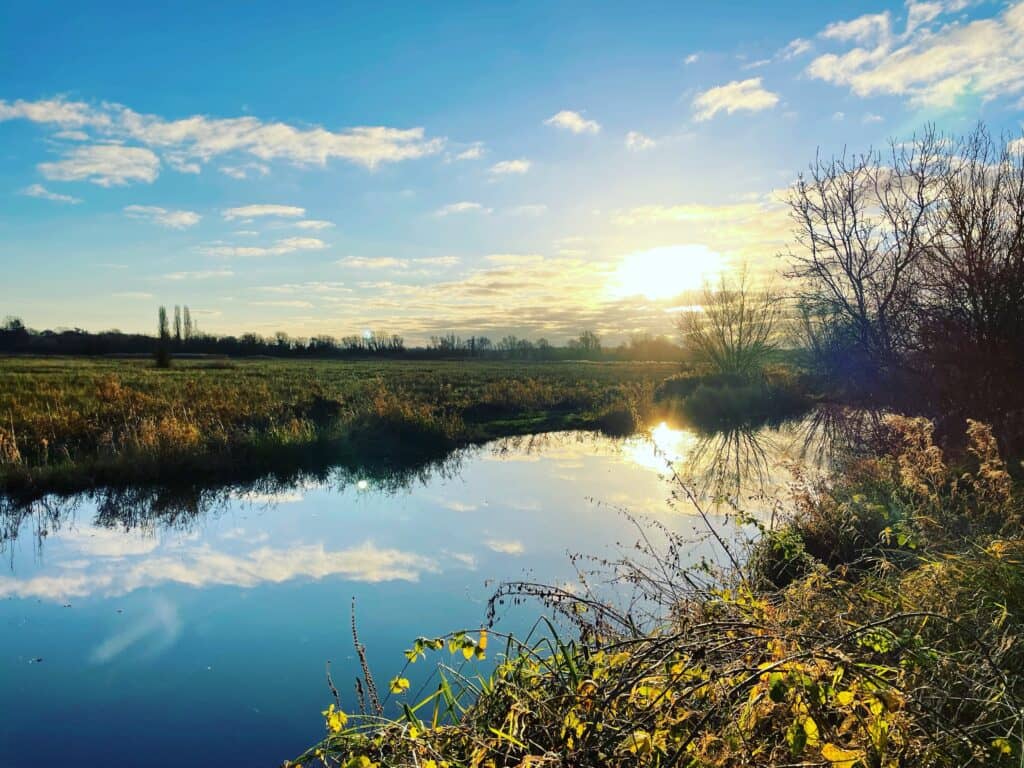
{"points": [[534, 168]]}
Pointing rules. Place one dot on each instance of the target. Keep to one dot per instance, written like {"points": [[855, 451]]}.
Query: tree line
{"points": [[178, 334]]}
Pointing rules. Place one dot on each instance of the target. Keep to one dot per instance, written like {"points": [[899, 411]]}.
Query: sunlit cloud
{"points": [[255, 211], [378, 262], [108, 165], [279, 248], [573, 121], [461, 207], [511, 167], [314, 224], [934, 61], [202, 274], [202, 138], [739, 95]]}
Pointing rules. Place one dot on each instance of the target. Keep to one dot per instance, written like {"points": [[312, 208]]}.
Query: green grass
{"points": [[68, 424]]}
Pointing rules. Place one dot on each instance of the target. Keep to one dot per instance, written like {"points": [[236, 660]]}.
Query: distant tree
{"points": [[187, 323], [587, 344], [163, 341], [177, 324]]}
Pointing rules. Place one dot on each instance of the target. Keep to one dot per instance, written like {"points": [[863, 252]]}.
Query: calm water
{"points": [[157, 632]]}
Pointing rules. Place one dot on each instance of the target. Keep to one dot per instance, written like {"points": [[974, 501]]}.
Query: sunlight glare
{"points": [[662, 444], [665, 272]]}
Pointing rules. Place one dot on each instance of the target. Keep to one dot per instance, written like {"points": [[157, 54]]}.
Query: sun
{"points": [[665, 272]]}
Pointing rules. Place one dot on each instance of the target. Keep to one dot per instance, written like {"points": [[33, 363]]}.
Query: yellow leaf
{"points": [[399, 685], [839, 757], [845, 698], [811, 729]]}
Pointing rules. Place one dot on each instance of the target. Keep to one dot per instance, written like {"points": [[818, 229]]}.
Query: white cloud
{"points": [[870, 117], [57, 111], [163, 217], [692, 58], [473, 152], [637, 142], [245, 170], [202, 138], [373, 262], [253, 211], [104, 164], [732, 97], [38, 190], [936, 59], [507, 167], [279, 248], [864, 29], [505, 547], [71, 135], [797, 47], [133, 295], [205, 274], [573, 121], [287, 303], [313, 224], [461, 207], [439, 261]]}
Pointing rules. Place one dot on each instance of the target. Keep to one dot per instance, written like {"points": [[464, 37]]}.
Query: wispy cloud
{"points": [[202, 274], [199, 138], [255, 211], [313, 224], [279, 248], [371, 262], [473, 152], [245, 170], [461, 207], [573, 121], [739, 95], [511, 167], [163, 216], [936, 59], [638, 142], [108, 165], [38, 190]]}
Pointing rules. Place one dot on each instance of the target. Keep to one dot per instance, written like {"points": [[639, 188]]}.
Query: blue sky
{"points": [[532, 168]]}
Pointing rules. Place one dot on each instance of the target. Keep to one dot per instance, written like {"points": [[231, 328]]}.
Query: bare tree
{"points": [[863, 224], [734, 331]]}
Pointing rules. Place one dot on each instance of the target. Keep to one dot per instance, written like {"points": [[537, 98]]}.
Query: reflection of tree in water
{"points": [[726, 465], [180, 506], [745, 463]]}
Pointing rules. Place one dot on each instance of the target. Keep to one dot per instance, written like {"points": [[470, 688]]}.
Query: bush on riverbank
{"points": [[881, 626], [727, 401]]}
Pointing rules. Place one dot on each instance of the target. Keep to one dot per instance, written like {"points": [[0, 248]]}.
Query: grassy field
{"points": [[68, 423]]}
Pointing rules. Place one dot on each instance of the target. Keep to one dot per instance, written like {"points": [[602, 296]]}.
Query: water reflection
{"points": [[230, 599]]}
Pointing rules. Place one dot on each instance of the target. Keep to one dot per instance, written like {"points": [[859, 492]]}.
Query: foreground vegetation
{"points": [[879, 625], [71, 424]]}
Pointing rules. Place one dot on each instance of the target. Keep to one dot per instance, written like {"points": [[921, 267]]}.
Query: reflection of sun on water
{"points": [[661, 445], [662, 273]]}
